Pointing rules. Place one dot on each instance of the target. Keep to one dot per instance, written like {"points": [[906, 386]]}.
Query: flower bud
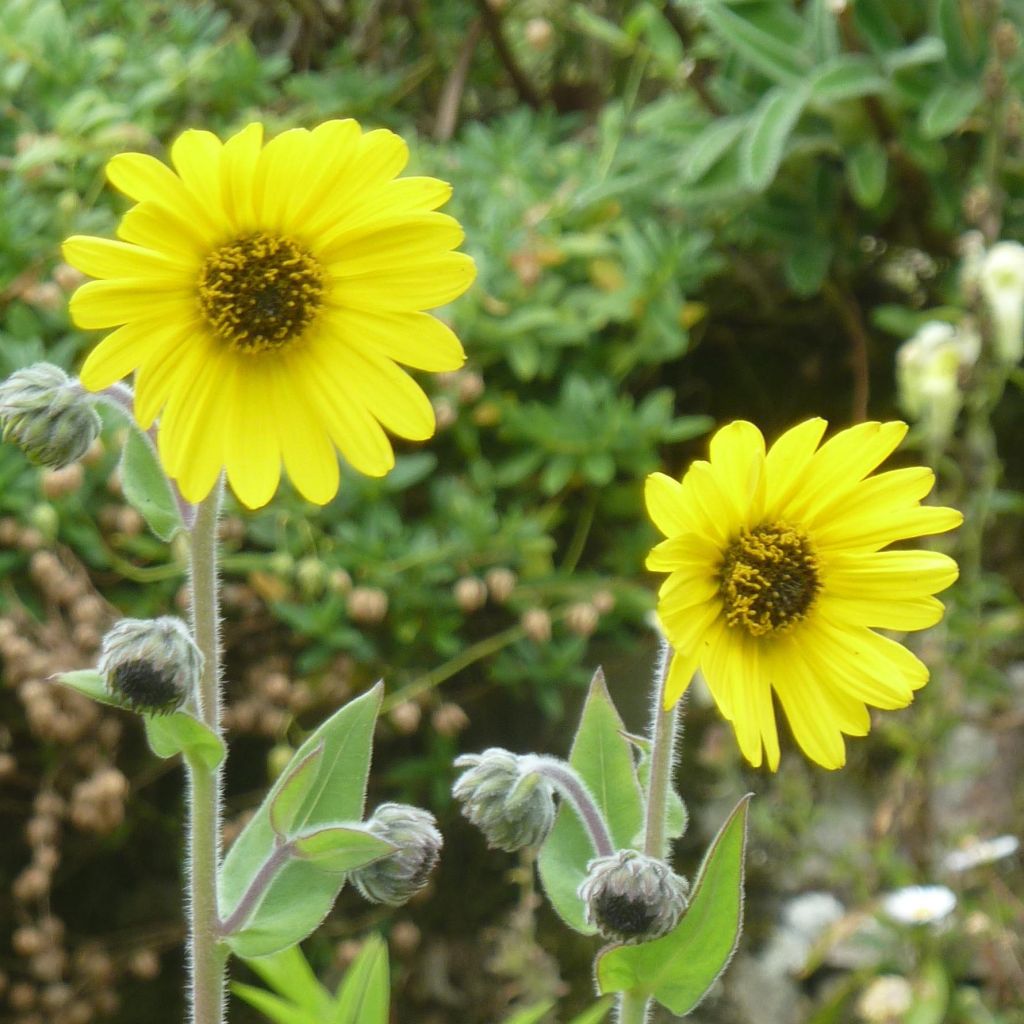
{"points": [[151, 665], [46, 414], [928, 370], [1002, 283], [506, 798], [631, 897], [395, 879]]}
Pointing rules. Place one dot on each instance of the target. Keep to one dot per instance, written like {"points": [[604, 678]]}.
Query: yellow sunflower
{"points": [[778, 581], [263, 295]]}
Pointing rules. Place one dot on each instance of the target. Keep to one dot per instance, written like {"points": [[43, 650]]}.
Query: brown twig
{"points": [[455, 84], [524, 87], [849, 313], [701, 68]]}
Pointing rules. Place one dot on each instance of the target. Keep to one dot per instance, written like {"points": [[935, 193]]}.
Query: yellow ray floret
{"points": [[778, 581], [264, 295]]}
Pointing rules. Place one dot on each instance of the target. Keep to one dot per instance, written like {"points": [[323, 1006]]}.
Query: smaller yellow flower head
{"points": [[778, 581], [264, 296]]}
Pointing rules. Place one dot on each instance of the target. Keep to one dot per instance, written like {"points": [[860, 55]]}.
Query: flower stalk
{"points": [[207, 956], [633, 1007]]}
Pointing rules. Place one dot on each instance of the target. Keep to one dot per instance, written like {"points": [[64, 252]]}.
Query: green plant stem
{"points": [[206, 956], [663, 742], [633, 1007]]}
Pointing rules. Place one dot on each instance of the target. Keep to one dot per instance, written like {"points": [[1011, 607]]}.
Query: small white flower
{"points": [[928, 369], [1002, 284], [981, 851], [889, 997], [919, 904]]}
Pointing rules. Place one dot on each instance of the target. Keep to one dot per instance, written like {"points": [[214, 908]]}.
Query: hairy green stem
{"points": [[205, 954], [663, 743], [633, 1007]]}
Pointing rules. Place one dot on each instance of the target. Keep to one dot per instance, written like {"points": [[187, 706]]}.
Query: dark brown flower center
{"points": [[769, 579], [260, 292]]}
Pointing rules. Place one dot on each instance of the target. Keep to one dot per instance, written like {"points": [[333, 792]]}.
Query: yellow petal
{"points": [[664, 499], [120, 352], [425, 284], [874, 529], [812, 717], [680, 674], [284, 162], [147, 180], [738, 459], [787, 461], [309, 456], [103, 257], [905, 614], [238, 160], [383, 243], [111, 303], [889, 575], [414, 339], [162, 230], [196, 157], [252, 447]]}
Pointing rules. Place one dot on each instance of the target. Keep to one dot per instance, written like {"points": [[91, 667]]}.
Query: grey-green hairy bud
{"points": [[395, 879], [48, 415], [631, 897], [505, 796], [151, 665]]}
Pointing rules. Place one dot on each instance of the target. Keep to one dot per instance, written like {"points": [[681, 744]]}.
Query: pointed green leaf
{"points": [[959, 34], [180, 733], [301, 894], [709, 146], [297, 780], [288, 973], [341, 848], [926, 50], [603, 757], [847, 77], [947, 108], [274, 1008], [531, 1014], [596, 1013], [89, 683], [779, 60], [679, 968], [364, 995], [146, 487], [866, 170], [770, 127]]}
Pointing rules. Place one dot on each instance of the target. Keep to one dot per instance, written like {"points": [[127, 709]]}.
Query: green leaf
{"points": [[89, 683], [532, 1014], [846, 77], [297, 780], [774, 57], [596, 1013], [341, 848], [927, 50], [288, 973], [603, 757], [947, 107], [958, 36], [866, 170], [273, 1007], [365, 992], [602, 30], [301, 893], [679, 968], [806, 265], [931, 995], [180, 733], [146, 487], [774, 119], [708, 146]]}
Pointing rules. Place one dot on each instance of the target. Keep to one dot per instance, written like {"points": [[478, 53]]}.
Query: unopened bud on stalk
{"points": [[395, 879], [631, 897], [46, 414], [505, 796], [1002, 283], [928, 370], [151, 665]]}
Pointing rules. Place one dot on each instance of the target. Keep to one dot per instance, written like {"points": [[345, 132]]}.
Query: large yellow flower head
{"points": [[263, 295], [778, 581]]}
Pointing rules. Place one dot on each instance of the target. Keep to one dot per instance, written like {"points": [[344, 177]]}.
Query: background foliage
{"points": [[681, 213]]}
